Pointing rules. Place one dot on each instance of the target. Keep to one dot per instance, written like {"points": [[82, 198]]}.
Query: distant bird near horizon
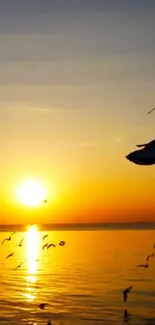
{"points": [[10, 255], [21, 242], [145, 156], [125, 292], [143, 265], [150, 111], [18, 266], [148, 257], [42, 306], [45, 236]]}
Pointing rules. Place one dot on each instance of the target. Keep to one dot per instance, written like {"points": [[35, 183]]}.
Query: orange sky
{"points": [[75, 86]]}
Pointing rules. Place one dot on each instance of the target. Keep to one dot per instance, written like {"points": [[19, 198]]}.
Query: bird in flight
{"points": [[8, 238], [150, 111], [44, 246], [21, 243], [18, 266], [125, 292], [62, 243], [45, 236], [143, 265], [10, 255], [148, 257], [50, 245], [42, 306]]}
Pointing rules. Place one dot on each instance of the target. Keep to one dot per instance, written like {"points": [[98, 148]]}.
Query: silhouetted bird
{"points": [[21, 242], [50, 245], [42, 306], [143, 265], [18, 266], [125, 292], [148, 257], [10, 255], [145, 156], [45, 201], [44, 246], [9, 238], [45, 236], [150, 111], [62, 243]]}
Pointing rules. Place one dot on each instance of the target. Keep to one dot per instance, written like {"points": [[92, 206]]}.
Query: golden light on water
{"points": [[32, 249], [32, 253]]}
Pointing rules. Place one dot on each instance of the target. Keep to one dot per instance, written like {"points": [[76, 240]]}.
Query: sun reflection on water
{"points": [[32, 248], [32, 253]]}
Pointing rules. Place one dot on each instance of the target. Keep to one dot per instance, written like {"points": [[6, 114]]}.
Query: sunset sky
{"points": [[76, 81]]}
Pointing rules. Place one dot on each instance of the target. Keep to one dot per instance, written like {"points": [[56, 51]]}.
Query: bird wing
{"points": [[3, 240], [129, 288], [9, 255], [141, 145], [21, 241], [150, 111], [141, 265]]}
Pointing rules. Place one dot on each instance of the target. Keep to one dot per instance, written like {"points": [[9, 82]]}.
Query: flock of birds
{"points": [[127, 290], [46, 245], [146, 155]]}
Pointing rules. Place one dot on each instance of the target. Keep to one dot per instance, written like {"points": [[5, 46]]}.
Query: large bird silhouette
{"points": [[145, 156]]}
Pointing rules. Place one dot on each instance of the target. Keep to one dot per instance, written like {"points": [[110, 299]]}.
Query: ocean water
{"points": [[82, 281]]}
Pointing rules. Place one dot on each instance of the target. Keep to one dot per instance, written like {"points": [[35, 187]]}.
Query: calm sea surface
{"points": [[81, 281]]}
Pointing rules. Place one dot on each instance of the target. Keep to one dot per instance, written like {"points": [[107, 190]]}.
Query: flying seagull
{"points": [[144, 156], [143, 265], [9, 238], [21, 242], [125, 292], [150, 111], [10, 255], [42, 306], [148, 257], [18, 266]]}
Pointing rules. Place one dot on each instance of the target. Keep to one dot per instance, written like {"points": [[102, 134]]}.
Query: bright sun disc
{"points": [[31, 193]]}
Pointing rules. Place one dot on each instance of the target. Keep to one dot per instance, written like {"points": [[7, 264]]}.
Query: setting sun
{"points": [[31, 193]]}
